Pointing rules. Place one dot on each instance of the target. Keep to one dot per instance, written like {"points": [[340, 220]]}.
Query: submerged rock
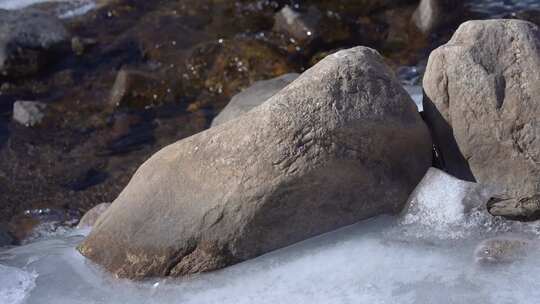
{"points": [[90, 217], [521, 209], [342, 143], [431, 15], [481, 103], [303, 27], [253, 96], [501, 250], [29, 113], [138, 89], [28, 38]]}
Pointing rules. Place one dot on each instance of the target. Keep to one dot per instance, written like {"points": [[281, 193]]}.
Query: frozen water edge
{"points": [[376, 261], [70, 8], [16, 284]]}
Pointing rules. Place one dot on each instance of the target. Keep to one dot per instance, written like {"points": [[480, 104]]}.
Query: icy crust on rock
{"points": [[443, 207]]}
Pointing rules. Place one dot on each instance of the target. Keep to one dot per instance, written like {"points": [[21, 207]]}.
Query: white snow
{"points": [[377, 261]]}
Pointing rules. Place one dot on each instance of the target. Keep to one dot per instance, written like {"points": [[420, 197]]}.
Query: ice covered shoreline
{"points": [[418, 257]]}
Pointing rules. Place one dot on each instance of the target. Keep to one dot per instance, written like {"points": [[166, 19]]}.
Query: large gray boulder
{"points": [[342, 143], [28, 38], [481, 102], [253, 96]]}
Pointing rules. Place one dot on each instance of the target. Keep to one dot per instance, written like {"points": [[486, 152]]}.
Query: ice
{"points": [[416, 94], [445, 207], [377, 261], [15, 284]]}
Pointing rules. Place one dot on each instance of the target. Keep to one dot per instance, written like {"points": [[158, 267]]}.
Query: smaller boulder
{"points": [[501, 250], [28, 38], [138, 89], [304, 27], [90, 217], [431, 15], [253, 96], [524, 209], [29, 113]]}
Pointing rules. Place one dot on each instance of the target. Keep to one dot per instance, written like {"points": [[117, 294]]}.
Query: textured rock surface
{"points": [[90, 217], [138, 89], [342, 143], [522, 209], [501, 250], [29, 113], [253, 96], [27, 39], [433, 14], [481, 102]]}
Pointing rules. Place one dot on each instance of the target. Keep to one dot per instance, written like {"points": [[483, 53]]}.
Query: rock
{"points": [[224, 68], [138, 89], [28, 38], [29, 113], [6, 238], [342, 143], [80, 45], [253, 96], [303, 27], [431, 15], [481, 103], [501, 250], [521, 209], [90, 217]]}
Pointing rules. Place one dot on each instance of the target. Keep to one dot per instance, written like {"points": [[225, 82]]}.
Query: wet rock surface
{"points": [[294, 167], [29, 40], [488, 131], [29, 113]]}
